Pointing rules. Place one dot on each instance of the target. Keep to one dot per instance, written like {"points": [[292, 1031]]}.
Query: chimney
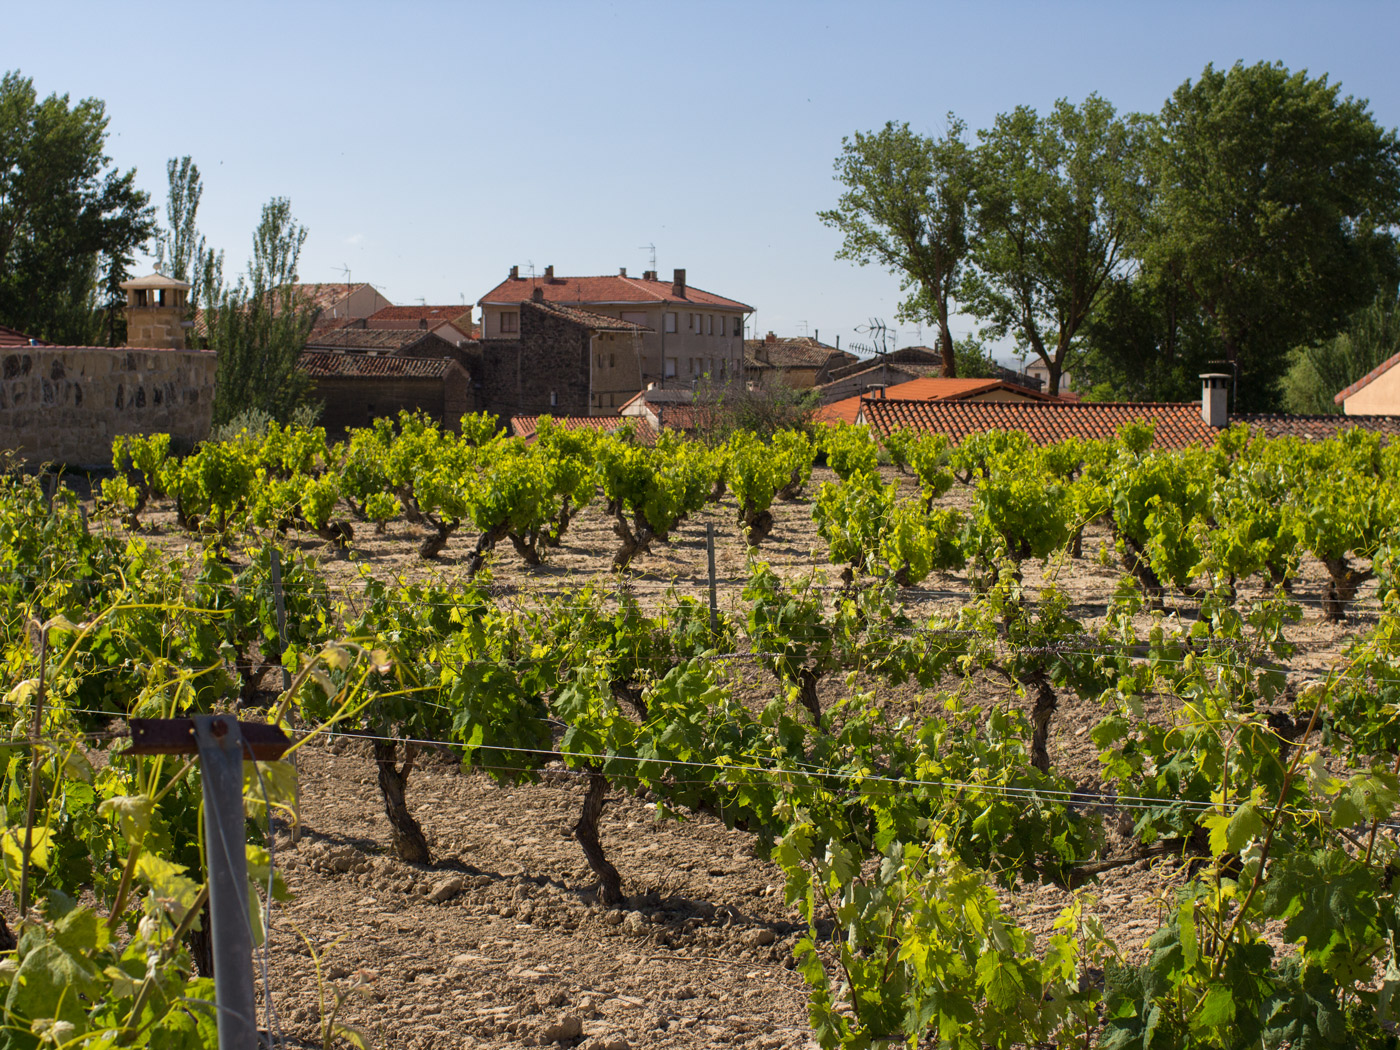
{"points": [[537, 295], [771, 337], [1215, 394], [622, 271], [549, 274], [678, 284], [648, 275], [515, 273]]}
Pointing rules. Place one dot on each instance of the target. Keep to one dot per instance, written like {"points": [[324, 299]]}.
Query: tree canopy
{"points": [[260, 325], [905, 207], [1252, 215], [70, 224]]}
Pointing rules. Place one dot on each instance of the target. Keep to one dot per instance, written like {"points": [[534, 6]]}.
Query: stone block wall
{"points": [[550, 356], [356, 401], [66, 404]]}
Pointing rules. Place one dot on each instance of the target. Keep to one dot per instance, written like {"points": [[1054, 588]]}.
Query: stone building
{"points": [[561, 360], [800, 362], [358, 388], [683, 333]]}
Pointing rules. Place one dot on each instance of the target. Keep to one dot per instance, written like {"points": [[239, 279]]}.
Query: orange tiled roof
{"points": [[926, 388], [1179, 424], [526, 427], [431, 314], [1369, 378], [596, 291]]}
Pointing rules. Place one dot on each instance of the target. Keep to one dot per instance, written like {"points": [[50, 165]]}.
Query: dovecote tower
{"points": [[157, 312]]}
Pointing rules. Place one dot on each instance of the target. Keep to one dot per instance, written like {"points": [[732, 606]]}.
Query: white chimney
{"points": [[1215, 399]]}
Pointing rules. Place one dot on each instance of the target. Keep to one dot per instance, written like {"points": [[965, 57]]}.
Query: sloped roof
{"points": [[527, 427], [927, 388], [431, 314], [14, 337], [587, 318], [324, 295], [1316, 428], [1046, 422], [1369, 378], [613, 289], [374, 366], [795, 352], [155, 280], [389, 340]]}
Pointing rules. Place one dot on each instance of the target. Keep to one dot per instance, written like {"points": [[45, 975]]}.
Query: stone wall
{"points": [[66, 404], [551, 356], [356, 401]]}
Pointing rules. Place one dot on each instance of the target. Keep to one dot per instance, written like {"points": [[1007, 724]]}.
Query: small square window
{"points": [[670, 322], [510, 321]]}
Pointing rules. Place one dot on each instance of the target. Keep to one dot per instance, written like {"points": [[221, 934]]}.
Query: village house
{"points": [[678, 335], [561, 360], [453, 323], [799, 362], [1375, 393], [930, 388]]}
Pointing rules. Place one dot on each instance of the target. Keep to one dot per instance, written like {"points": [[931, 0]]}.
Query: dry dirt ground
{"points": [[500, 942]]}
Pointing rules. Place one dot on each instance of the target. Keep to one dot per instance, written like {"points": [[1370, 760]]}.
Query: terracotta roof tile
{"points": [[391, 340], [1369, 378], [431, 314], [527, 427], [597, 290], [1046, 422], [795, 352], [587, 318], [1317, 428], [14, 337], [927, 388], [374, 366]]}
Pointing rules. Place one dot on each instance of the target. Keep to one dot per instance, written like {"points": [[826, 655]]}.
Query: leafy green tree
{"points": [[260, 325], [69, 223], [906, 208], [1057, 202], [181, 252], [1318, 372], [1273, 201]]}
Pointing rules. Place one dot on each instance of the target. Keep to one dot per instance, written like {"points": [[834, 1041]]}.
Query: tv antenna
{"points": [[879, 334], [344, 271], [803, 326], [650, 248]]}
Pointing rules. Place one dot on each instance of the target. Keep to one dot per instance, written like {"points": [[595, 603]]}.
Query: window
{"points": [[612, 360], [635, 316], [710, 324], [670, 322], [670, 368], [738, 323], [510, 321], [553, 399]]}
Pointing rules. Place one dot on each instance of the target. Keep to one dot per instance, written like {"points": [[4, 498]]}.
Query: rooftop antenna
{"points": [[650, 248], [803, 326], [879, 334], [344, 272]]}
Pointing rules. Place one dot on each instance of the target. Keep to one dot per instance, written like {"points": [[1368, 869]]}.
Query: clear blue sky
{"points": [[430, 146]]}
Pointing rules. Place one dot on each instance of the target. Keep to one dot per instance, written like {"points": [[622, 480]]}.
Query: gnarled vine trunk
{"points": [[634, 542], [1341, 588], [436, 540], [1046, 703], [759, 524], [407, 833], [586, 831]]}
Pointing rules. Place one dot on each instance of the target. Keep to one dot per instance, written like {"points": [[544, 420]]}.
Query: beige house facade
{"points": [[1377, 393], [682, 336]]}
